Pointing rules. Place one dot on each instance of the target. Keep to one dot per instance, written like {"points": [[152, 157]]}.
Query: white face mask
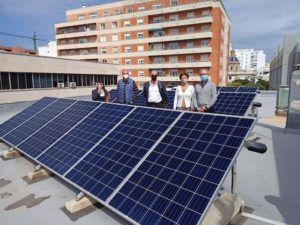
{"points": [[125, 76], [184, 81]]}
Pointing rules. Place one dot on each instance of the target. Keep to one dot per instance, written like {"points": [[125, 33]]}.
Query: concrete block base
{"points": [[223, 210], [74, 205], [11, 154], [252, 136], [42, 173]]}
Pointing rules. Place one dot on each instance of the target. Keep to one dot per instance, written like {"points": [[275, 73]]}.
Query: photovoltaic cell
{"points": [[170, 96], [18, 135], [21, 117], [178, 180], [56, 128], [113, 94], [69, 149], [228, 89], [233, 103], [247, 89], [106, 166]]}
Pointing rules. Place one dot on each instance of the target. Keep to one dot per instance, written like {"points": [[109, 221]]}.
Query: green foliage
{"points": [[260, 84]]}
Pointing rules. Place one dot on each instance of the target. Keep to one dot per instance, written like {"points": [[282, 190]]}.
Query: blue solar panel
{"points": [[141, 101], [18, 135], [113, 95], [21, 117], [70, 148], [176, 183], [247, 89], [228, 89], [233, 103], [56, 128], [170, 96], [106, 166]]}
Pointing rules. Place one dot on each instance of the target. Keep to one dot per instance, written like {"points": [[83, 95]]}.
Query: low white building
{"points": [[48, 50], [251, 59]]}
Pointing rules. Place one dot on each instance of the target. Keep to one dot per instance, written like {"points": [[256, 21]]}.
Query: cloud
{"points": [[262, 24]]}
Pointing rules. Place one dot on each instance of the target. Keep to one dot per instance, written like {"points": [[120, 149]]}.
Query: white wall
{"points": [[48, 50]]}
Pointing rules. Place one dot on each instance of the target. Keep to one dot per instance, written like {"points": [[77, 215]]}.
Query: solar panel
{"points": [[105, 167], [170, 97], [247, 89], [69, 149], [233, 103], [141, 101], [228, 89], [176, 183], [23, 131], [113, 95], [56, 128], [21, 117]]}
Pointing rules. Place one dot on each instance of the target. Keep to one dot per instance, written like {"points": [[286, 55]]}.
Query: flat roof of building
{"points": [[267, 183]]}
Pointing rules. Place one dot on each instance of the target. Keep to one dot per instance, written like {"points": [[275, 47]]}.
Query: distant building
{"points": [[236, 72], [264, 73], [17, 50], [49, 50], [251, 59], [284, 61], [170, 36]]}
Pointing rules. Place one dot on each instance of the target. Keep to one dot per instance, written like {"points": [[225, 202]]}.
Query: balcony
{"points": [[89, 44], [161, 65]]}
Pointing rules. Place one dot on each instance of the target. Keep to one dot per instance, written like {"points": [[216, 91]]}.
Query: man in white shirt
{"points": [[155, 92]]}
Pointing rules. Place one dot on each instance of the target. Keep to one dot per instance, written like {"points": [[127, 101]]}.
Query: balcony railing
{"points": [[77, 43], [165, 48], [177, 20], [174, 62]]}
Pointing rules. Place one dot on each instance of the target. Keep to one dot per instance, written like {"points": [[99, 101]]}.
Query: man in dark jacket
{"points": [[155, 92], [127, 91]]}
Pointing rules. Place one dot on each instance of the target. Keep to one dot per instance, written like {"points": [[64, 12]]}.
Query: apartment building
{"points": [[171, 36]]}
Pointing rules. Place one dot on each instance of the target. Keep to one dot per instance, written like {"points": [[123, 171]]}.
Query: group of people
{"points": [[200, 97]]}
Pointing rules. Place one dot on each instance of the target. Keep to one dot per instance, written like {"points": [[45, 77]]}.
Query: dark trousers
{"points": [[156, 105]]}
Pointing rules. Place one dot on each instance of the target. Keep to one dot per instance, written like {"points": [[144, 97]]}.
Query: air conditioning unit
{"points": [[60, 85], [72, 84]]}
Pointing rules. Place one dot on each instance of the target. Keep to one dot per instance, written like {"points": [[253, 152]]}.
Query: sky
{"points": [[256, 24]]}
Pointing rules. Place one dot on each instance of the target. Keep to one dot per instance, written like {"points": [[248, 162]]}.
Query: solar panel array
{"points": [[237, 89], [151, 166], [233, 103]]}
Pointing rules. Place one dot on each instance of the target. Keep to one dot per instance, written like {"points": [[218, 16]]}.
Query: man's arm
{"points": [[117, 94], [194, 99], [213, 96]]}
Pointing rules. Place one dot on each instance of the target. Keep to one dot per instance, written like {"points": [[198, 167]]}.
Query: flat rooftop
{"points": [[267, 183]]}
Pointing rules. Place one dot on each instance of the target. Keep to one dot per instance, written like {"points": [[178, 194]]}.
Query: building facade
{"points": [[251, 59], [284, 61], [48, 50], [171, 36], [17, 50]]}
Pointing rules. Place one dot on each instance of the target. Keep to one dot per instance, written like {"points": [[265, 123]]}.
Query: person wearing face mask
{"points": [[184, 94], [155, 92], [127, 90], [205, 94], [100, 93]]}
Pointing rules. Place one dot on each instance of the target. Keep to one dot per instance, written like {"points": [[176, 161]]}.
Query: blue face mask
{"points": [[204, 77]]}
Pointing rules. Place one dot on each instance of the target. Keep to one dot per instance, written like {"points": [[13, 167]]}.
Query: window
{"points": [[173, 73], [106, 14], [114, 24], [140, 35], [82, 40], [93, 15], [84, 52], [63, 42], [158, 19], [142, 8], [190, 44], [156, 6], [72, 52], [158, 60], [190, 30], [127, 61], [205, 28], [140, 48], [205, 13], [81, 29], [127, 36], [173, 31], [71, 41], [140, 21], [173, 2], [173, 45], [173, 59], [189, 58], [141, 73], [102, 26], [117, 12], [129, 10], [204, 43], [190, 15], [102, 39], [115, 37], [158, 33], [104, 61], [116, 61], [115, 50], [173, 17], [140, 61], [204, 57], [127, 23], [189, 71], [103, 50], [81, 17], [127, 49]]}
